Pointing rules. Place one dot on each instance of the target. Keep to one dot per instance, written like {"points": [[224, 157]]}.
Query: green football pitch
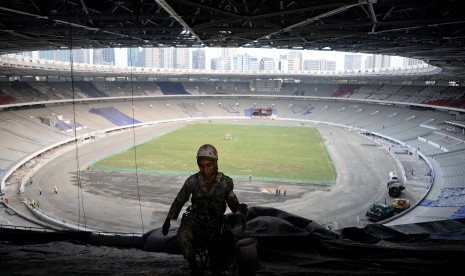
{"points": [[276, 153]]}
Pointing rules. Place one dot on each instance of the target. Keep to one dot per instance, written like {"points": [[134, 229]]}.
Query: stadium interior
{"points": [[48, 108]]}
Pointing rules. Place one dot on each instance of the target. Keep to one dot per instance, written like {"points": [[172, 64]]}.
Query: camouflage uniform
{"points": [[207, 210]]}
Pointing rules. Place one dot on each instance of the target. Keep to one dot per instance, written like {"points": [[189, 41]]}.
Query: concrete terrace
{"points": [[421, 131]]}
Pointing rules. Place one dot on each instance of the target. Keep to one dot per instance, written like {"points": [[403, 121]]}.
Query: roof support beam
{"points": [[178, 18]]}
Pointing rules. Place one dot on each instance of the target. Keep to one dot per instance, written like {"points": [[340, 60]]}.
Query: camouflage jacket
{"points": [[208, 201]]}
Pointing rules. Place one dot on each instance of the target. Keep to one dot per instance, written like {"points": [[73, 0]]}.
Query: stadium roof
{"points": [[433, 31]]}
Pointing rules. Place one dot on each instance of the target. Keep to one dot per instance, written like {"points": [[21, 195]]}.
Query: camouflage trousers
{"points": [[194, 226]]}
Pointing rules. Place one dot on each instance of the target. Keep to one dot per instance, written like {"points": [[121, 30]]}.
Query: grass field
{"points": [[265, 152]]}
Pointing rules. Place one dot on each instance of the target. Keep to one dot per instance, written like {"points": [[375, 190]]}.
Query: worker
{"points": [[55, 190], [210, 191]]}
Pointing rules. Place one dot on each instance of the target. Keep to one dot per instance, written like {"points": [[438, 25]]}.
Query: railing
{"points": [[26, 228], [71, 225]]}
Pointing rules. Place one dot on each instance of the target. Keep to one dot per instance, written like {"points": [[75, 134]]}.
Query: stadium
{"points": [[58, 120]]}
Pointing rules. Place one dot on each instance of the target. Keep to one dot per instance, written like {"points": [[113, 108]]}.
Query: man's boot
{"points": [[195, 271]]}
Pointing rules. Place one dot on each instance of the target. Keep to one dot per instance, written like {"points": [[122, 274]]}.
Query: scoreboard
{"points": [[265, 85]]}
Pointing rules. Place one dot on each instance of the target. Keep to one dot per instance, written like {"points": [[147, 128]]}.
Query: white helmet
{"points": [[207, 150]]}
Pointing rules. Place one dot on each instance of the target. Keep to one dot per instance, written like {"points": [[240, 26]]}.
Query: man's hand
{"points": [[242, 208], [166, 226]]}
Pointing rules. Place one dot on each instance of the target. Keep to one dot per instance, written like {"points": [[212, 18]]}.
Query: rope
{"points": [[134, 132], [80, 194]]}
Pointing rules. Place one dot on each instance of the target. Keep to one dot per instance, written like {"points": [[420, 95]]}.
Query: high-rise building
{"points": [[141, 57], [352, 62], [223, 63], [377, 61], [167, 58], [80, 55], [283, 63], [105, 56], [329, 65], [244, 62], [150, 57], [319, 65], [97, 56], [295, 60], [214, 64], [254, 64], [198, 59], [412, 61], [65, 55], [48, 54], [133, 57], [109, 56], [267, 64], [25, 54], [181, 58], [308, 65], [240, 62]]}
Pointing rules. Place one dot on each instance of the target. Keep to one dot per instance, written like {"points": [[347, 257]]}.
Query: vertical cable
{"points": [[80, 195], [134, 129]]}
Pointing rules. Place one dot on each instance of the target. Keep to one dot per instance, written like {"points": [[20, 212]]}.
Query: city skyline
{"points": [[211, 53], [238, 59]]}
